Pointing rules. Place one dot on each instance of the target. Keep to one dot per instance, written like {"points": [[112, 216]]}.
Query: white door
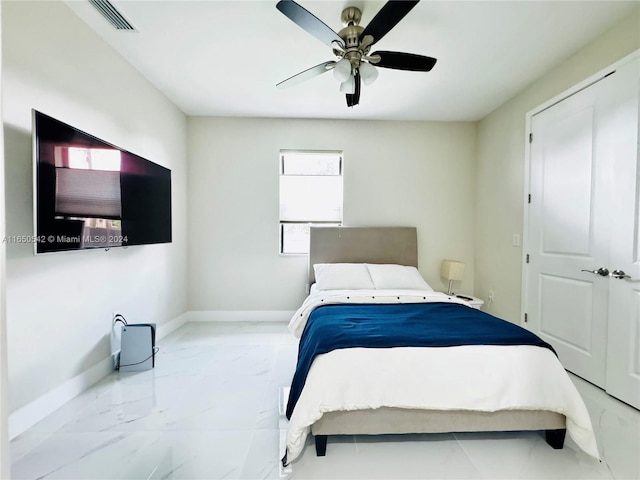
{"points": [[569, 225], [584, 224], [623, 360]]}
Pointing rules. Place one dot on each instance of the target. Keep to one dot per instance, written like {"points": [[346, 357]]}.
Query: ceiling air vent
{"points": [[113, 16]]}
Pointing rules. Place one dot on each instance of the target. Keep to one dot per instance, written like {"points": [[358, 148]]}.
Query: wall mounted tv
{"points": [[91, 194]]}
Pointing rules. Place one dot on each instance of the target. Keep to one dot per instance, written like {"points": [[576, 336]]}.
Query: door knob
{"points": [[602, 271], [619, 274]]}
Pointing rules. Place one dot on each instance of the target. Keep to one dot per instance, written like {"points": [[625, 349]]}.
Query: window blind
{"points": [[88, 193], [311, 191]]}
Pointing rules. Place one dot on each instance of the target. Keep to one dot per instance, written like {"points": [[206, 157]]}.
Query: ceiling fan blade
{"points": [[307, 74], [404, 61], [308, 21], [354, 99], [388, 17]]}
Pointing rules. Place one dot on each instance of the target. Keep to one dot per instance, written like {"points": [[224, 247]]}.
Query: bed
{"points": [[377, 388]]}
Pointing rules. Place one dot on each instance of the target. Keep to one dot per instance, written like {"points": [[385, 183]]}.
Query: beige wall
{"points": [[396, 173], [59, 306], [501, 160]]}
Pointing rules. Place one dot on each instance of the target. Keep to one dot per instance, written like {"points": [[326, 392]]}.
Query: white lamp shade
{"points": [[452, 270], [368, 73], [349, 86], [342, 70]]}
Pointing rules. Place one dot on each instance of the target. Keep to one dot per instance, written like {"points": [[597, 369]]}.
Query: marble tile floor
{"points": [[209, 410]]}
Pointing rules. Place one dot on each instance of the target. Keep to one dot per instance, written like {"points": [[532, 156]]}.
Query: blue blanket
{"points": [[331, 327]]}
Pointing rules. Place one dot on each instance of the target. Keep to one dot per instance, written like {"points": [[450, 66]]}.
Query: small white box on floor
{"points": [[137, 349]]}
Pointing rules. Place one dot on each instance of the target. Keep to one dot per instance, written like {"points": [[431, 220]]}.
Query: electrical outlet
{"points": [[515, 240], [490, 296], [306, 288]]}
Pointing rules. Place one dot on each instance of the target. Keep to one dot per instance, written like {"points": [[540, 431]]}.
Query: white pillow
{"points": [[398, 277], [342, 276]]}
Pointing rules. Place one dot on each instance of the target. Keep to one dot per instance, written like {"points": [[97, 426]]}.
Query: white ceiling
{"points": [[224, 58]]}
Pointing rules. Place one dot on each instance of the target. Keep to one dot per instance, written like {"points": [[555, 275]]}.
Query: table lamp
{"points": [[452, 270]]}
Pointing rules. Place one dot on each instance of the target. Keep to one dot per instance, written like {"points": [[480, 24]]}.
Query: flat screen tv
{"points": [[91, 194]]}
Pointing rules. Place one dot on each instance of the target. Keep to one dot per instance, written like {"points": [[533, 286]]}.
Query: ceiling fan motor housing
{"points": [[351, 17], [350, 34]]}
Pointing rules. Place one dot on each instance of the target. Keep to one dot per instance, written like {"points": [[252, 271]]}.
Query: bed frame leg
{"points": [[321, 445], [555, 438]]}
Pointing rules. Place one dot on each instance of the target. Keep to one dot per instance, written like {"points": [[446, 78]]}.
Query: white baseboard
{"points": [[241, 316], [25, 417], [171, 326]]}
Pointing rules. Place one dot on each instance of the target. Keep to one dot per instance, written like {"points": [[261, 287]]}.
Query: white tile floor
{"points": [[209, 411]]}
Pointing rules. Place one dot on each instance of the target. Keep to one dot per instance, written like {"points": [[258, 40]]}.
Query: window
{"points": [[310, 194]]}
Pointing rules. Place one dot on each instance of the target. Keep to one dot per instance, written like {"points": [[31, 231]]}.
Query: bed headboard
{"points": [[397, 245]]}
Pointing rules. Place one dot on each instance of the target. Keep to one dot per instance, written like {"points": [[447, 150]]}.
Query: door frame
{"points": [[527, 164]]}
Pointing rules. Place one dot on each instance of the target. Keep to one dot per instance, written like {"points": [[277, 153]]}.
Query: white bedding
{"points": [[451, 378]]}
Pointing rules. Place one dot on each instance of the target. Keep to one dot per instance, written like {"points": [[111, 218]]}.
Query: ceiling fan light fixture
{"points": [[348, 86], [342, 70], [368, 73]]}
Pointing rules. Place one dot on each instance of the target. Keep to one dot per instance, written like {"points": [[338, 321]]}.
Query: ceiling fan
{"points": [[352, 45]]}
